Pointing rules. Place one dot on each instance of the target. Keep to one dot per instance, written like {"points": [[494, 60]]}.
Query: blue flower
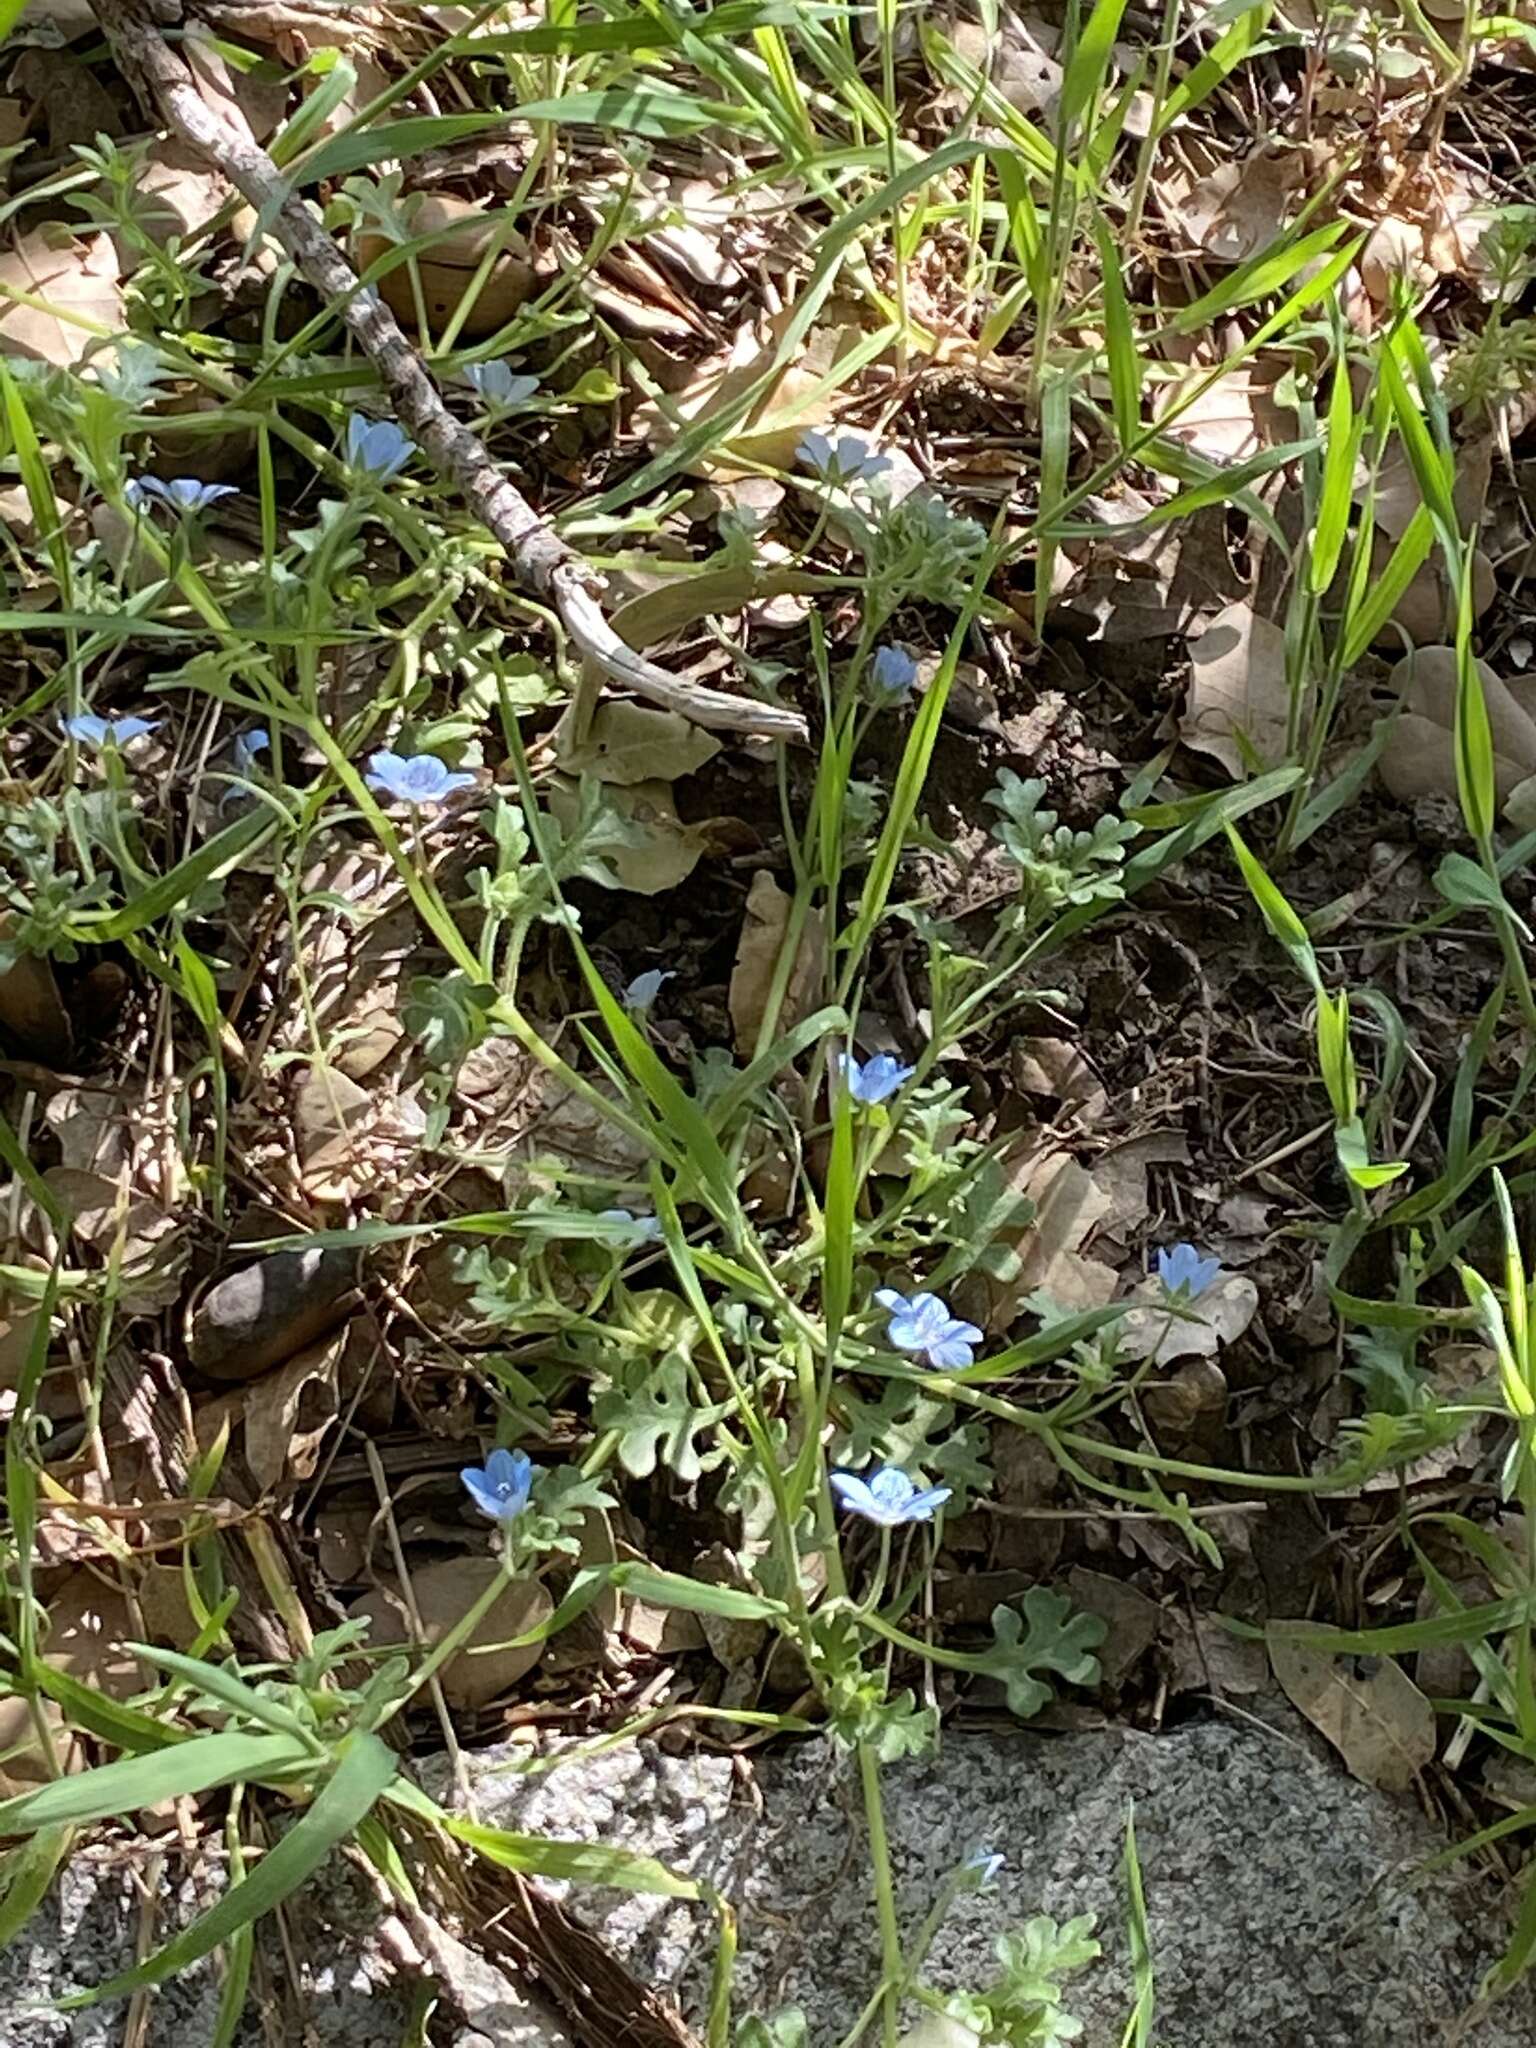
{"points": [[247, 746], [500, 1489], [637, 1229], [645, 988], [843, 463], [498, 385], [87, 730], [377, 446], [924, 1324], [414, 778], [980, 1868], [181, 493], [1183, 1271], [877, 1078], [888, 1498], [893, 672]]}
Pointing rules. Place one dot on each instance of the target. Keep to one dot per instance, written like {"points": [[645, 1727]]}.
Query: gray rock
{"points": [[1285, 1899], [86, 1932], [257, 1316]]}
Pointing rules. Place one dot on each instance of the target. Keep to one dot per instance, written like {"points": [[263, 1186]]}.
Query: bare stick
{"points": [[540, 560]]}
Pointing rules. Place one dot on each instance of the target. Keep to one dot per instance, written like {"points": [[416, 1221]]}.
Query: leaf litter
{"points": [[314, 1034]]}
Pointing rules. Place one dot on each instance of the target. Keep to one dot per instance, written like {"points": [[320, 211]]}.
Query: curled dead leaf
{"points": [[288, 1414]]}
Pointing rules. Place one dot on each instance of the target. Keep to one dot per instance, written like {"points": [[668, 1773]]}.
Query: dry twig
{"points": [[540, 559]]}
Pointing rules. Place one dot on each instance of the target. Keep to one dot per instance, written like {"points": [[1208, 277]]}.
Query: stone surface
{"points": [[1284, 1898], [87, 1930], [257, 1316], [1285, 1901]]}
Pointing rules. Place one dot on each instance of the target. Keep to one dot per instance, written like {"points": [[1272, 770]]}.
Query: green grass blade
{"points": [[1276, 911], [1240, 42], [1336, 489], [367, 1766], [230, 1691], [25, 1875], [139, 1781], [1088, 64], [1120, 343]]}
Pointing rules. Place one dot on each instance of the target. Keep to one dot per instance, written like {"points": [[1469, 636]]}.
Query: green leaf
{"points": [[217, 858], [575, 1862], [26, 1872], [1277, 913], [1055, 1639], [1386, 590], [1463, 882], [1120, 343], [1088, 63], [656, 111], [1239, 42], [135, 1782], [228, 1689], [1476, 784], [672, 1589], [1344, 433], [365, 1768], [657, 1419]]}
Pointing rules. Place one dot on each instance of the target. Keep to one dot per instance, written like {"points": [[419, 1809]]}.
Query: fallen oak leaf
{"points": [[1368, 1707], [1238, 706]]}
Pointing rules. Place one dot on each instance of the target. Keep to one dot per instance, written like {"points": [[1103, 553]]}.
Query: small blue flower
{"points": [[498, 385], [876, 1078], [645, 988], [414, 778], [924, 1324], [637, 1229], [87, 730], [1183, 1271], [500, 1489], [377, 446], [980, 1868], [181, 493], [247, 746], [845, 462], [888, 1498], [893, 672]]}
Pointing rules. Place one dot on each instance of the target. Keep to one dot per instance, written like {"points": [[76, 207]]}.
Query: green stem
{"points": [[885, 1895]]}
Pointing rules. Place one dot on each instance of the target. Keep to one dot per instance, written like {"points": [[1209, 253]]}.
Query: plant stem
{"points": [[885, 1894]]}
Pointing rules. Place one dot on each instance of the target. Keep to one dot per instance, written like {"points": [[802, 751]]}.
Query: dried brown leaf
{"points": [[289, 1413], [79, 283], [1240, 207], [1220, 1314], [444, 1592], [1420, 756], [659, 852], [1368, 1707], [628, 743], [757, 952], [1237, 687]]}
